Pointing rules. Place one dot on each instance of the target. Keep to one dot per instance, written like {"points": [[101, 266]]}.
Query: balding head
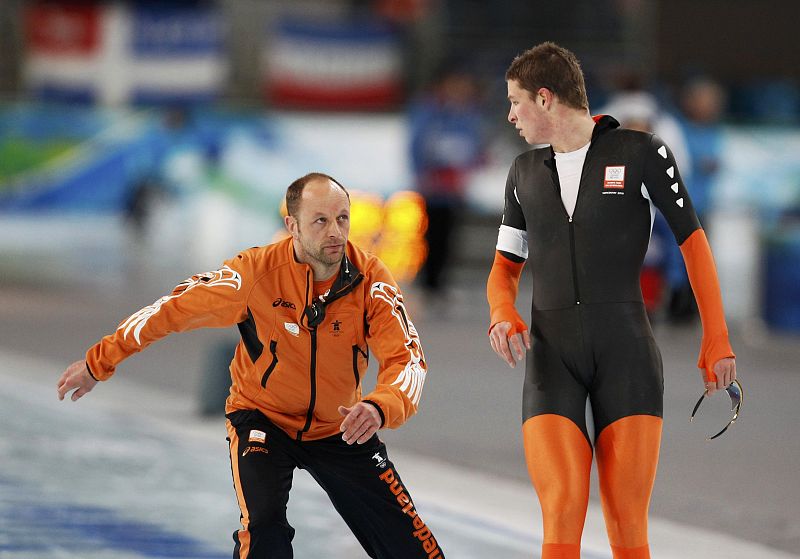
{"points": [[294, 194]]}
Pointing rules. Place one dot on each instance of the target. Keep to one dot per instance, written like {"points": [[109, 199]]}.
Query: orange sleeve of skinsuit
{"points": [[703, 278], [393, 339], [213, 299], [501, 292]]}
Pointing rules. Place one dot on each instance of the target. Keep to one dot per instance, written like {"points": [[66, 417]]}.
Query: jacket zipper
{"points": [[313, 400], [312, 372]]}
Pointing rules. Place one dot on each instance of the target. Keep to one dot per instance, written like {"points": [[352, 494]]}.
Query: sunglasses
{"points": [[735, 393]]}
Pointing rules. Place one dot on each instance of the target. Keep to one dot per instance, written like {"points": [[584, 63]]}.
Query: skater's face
{"points": [[528, 112]]}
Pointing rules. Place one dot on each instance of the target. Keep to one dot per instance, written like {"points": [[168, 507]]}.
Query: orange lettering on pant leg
{"points": [[387, 476], [423, 533], [429, 545], [396, 488]]}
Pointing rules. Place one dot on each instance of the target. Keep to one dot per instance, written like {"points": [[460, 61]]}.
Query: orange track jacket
{"points": [[297, 376]]}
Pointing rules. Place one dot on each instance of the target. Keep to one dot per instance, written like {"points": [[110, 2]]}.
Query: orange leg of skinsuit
{"points": [[627, 457], [559, 462]]}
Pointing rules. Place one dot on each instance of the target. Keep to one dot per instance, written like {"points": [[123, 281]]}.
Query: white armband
{"points": [[515, 241]]}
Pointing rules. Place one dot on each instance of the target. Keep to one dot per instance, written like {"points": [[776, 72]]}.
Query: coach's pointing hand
{"points": [[360, 422]]}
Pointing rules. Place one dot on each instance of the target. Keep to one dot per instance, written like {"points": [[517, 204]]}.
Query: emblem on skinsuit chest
{"points": [[614, 179]]}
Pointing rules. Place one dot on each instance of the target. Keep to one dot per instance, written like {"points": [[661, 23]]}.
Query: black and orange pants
{"points": [[606, 353], [360, 480]]}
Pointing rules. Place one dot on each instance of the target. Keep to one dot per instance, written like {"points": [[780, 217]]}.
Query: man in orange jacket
{"points": [[581, 210], [309, 310]]}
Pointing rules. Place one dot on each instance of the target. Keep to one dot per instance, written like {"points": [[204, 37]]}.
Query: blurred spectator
{"points": [[665, 284], [153, 187], [774, 101], [447, 143], [703, 102], [638, 109]]}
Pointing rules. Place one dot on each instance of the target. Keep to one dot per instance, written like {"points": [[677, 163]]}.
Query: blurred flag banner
{"points": [[177, 54], [64, 50], [343, 65], [124, 53]]}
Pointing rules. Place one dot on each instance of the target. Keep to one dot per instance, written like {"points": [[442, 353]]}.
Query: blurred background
{"points": [[146, 119], [144, 141]]}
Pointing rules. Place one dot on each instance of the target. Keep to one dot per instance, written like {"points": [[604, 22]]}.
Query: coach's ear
{"points": [[292, 226]]}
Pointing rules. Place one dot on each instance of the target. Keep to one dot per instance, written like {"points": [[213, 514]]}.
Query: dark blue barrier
{"points": [[782, 279]]}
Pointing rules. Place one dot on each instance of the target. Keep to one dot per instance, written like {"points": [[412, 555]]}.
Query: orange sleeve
{"points": [[211, 299], [501, 292], [395, 342], [703, 278]]}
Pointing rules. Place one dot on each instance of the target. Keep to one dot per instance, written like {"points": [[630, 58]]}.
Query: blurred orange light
{"points": [[393, 230]]}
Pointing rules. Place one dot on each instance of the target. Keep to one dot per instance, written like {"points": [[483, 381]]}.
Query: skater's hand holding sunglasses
{"points": [[734, 391]]}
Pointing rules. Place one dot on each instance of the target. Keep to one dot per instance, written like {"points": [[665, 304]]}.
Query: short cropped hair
{"points": [[553, 67], [295, 191]]}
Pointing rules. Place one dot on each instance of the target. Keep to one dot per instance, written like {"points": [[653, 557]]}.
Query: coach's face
{"points": [[321, 226], [528, 112]]}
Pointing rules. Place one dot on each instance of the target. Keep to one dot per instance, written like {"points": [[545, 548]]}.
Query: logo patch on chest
{"points": [[614, 177]]}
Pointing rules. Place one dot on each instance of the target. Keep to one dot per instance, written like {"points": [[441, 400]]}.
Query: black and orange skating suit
{"points": [[590, 333]]}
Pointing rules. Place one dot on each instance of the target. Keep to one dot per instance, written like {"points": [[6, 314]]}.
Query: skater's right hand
{"points": [[510, 348]]}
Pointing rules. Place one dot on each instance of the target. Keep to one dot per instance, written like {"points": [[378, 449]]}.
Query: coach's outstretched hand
{"points": [[75, 377]]}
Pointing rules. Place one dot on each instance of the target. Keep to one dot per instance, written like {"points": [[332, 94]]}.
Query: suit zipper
{"points": [[557, 188], [574, 261]]}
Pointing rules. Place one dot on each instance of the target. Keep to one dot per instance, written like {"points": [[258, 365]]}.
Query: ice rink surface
{"points": [[132, 470]]}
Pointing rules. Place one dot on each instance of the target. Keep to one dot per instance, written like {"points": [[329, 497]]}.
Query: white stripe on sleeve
{"points": [[515, 241]]}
